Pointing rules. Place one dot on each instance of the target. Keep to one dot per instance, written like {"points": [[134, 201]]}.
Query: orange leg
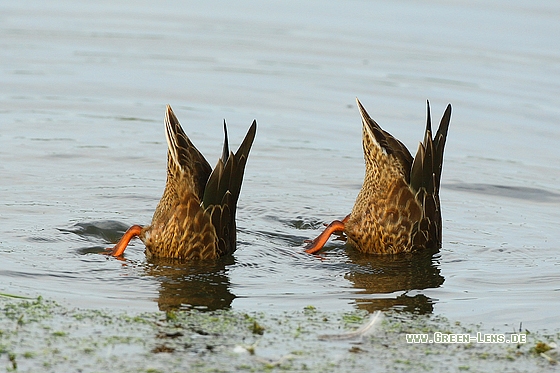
{"points": [[317, 244], [119, 248]]}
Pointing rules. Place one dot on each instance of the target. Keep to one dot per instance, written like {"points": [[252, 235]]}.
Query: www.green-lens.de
{"points": [[439, 337]]}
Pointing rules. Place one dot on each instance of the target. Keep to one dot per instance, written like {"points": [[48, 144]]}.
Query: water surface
{"points": [[82, 150]]}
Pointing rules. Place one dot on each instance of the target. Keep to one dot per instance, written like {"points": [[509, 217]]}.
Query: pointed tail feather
{"points": [[228, 176], [425, 181], [428, 162], [184, 157], [428, 120], [439, 142], [386, 141], [241, 156], [225, 151]]}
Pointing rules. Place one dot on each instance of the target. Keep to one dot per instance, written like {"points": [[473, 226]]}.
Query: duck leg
{"points": [[317, 244], [119, 248]]}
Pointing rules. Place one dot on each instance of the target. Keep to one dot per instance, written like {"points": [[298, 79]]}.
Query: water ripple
{"points": [[509, 191]]}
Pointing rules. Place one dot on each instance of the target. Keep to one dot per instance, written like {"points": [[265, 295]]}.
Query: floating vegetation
{"points": [[13, 296], [41, 335]]}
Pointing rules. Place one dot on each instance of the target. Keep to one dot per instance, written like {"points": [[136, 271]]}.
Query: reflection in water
{"points": [[384, 281], [183, 284], [379, 275], [195, 284]]}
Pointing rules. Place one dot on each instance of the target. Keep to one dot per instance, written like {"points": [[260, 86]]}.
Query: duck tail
{"points": [[425, 178], [226, 179], [183, 157]]}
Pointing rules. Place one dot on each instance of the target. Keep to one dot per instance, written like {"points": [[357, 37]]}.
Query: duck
{"points": [[195, 217], [398, 207]]}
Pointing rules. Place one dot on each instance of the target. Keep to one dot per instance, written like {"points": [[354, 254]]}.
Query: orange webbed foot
{"points": [[336, 227], [120, 247]]}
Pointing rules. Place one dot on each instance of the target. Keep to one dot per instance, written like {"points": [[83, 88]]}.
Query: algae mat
{"points": [[41, 335]]}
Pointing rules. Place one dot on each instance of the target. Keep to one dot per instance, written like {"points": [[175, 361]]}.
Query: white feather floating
{"points": [[365, 329]]}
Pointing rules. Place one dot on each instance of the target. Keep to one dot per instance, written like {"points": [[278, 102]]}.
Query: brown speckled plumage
{"points": [[195, 218], [398, 208]]}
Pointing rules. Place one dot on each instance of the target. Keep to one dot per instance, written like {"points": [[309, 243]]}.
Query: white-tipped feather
{"points": [[372, 137], [365, 124], [364, 330], [171, 140]]}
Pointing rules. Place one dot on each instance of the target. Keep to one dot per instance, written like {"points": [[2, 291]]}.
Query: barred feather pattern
{"points": [[186, 232], [195, 218], [398, 207], [386, 209]]}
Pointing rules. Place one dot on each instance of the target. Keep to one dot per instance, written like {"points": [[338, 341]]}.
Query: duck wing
{"points": [[387, 142], [184, 161]]}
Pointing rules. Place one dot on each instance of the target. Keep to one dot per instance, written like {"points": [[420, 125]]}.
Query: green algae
{"points": [[42, 335]]}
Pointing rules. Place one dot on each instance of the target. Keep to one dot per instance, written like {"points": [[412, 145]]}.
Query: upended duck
{"points": [[195, 218], [398, 208]]}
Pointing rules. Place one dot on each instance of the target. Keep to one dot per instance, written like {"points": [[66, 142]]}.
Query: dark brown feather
{"points": [[195, 218], [228, 173], [184, 157], [398, 207], [425, 180]]}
